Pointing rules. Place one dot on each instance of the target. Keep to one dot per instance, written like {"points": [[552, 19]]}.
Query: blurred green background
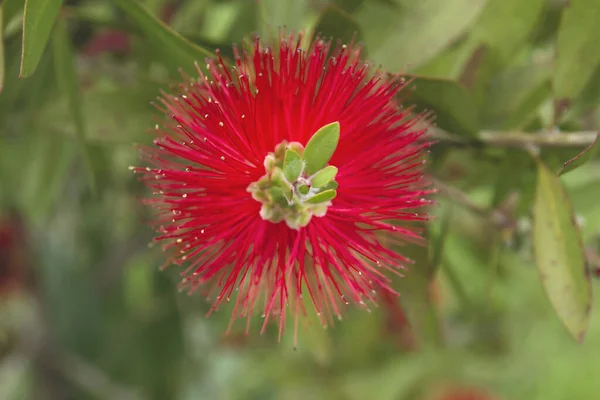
{"points": [[86, 314]]}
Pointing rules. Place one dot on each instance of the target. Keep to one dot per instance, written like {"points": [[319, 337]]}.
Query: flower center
{"points": [[298, 183]]}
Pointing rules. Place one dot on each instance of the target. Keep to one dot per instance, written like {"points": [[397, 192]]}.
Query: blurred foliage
{"points": [[86, 314]]}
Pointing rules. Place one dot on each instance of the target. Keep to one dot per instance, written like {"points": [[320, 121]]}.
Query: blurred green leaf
{"points": [[183, 51], [2, 62], [46, 174], [66, 76], [584, 188], [415, 291], [275, 14], [559, 253], [514, 96], [338, 24], [391, 381], [15, 377], [515, 174], [580, 159], [412, 33], [586, 102], [504, 25], [38, 20], [449, 63], [186, 16], [454, 108], [577, 54], [242, 23], [11, 8], [138, 287]]}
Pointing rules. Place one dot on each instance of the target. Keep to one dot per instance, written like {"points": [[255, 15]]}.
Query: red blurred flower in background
{"points": [[276, 177], [12, 254]]}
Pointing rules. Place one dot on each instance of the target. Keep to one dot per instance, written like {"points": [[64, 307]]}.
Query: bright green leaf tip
{"points": [[324, 176], [321, 146], [322, 197]]}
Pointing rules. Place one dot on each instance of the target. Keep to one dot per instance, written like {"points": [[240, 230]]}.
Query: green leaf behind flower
{"points": [[38, 19], [559, 253], [184, 52]]}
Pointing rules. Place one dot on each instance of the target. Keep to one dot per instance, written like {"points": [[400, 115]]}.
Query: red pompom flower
{"points": [[289, 174]]}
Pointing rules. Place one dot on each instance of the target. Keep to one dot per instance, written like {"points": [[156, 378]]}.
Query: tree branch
{"points": [[515, 139]]}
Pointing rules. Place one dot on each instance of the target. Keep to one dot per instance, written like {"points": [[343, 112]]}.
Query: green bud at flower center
{"points": [[298, 183]]}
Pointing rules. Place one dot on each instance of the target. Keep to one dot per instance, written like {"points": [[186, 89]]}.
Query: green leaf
{"points": [[504, 25], [577, 54], [45, 177], [66, 76], [321, 146], [38, 19], [2, 62], [392, 37], [183, 51], [336, 23], [324, 176], [454, 107], [586, 155], [322, 197], [449, 63], [559, 253], [416, 299], [330, 185], [292, 165], [514, 96]]}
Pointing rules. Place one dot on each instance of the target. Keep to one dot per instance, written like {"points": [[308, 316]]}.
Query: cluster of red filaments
{"points": [[218, 130]]}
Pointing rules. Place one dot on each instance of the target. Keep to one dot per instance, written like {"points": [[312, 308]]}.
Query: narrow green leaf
{"points": [[336, 23], [183, 51], [66, 76], [2, 62], [559, 253], [416, 299], [324, 176], [586, 155], [330, 185], [292, 165], [322, 197], [38, 19], [577, 54], [452, 104], [391, 37], [321, 146]]}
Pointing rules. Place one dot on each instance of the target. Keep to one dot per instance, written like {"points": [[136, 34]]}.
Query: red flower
{"points": [[251, 229]]}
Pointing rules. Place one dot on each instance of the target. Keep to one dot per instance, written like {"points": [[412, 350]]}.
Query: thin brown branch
{"points": [[523, 140]]}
